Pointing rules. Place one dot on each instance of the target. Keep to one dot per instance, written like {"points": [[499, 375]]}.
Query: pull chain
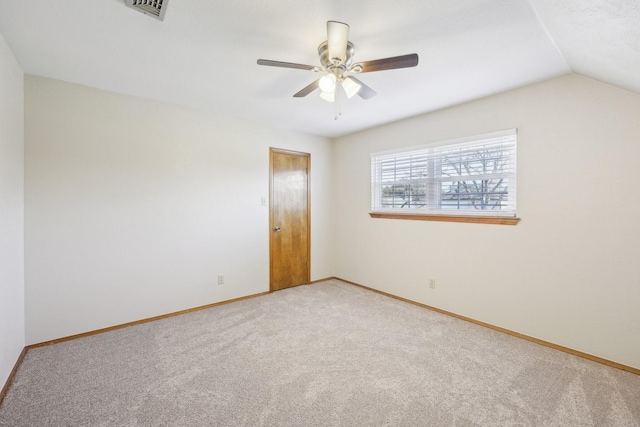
{"points": [[338, 97]]}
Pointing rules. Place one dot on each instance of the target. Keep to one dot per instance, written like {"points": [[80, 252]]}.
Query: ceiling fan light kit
{"points": [[336, 57]]}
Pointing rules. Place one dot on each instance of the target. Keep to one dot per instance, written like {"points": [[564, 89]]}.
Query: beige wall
{"points": [[569, 273], [11, 211], [133, 207]]}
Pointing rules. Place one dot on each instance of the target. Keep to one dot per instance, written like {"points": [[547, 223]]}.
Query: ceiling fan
{"points": [[336, 55]]}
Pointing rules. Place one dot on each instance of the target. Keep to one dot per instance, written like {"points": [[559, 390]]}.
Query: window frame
{"points": [[433, 180]]}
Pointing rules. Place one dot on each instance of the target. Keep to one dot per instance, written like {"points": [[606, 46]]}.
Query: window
{"points": [[469, 177]]}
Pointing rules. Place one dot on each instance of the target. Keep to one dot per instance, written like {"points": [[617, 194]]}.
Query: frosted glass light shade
{"points": [[328, 83], [328, 96], [329, 86], [351, 88]]}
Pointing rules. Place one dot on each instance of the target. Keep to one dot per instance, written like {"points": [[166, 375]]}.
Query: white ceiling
{"points": [[204, 53]]}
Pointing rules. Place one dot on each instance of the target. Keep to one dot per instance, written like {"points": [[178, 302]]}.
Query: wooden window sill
{"points": [[500, 220]]}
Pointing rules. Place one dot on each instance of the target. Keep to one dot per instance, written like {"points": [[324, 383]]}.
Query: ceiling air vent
{"points": [[155, 8]]}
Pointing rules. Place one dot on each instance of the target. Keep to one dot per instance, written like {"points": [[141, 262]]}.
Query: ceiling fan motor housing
{"points": [[327, 63]]}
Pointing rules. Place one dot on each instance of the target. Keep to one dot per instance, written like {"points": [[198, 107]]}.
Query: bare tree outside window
{"points": [[475, 179]]}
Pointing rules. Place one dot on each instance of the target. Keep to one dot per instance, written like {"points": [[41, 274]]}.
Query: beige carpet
{"points": [[330, 354]]}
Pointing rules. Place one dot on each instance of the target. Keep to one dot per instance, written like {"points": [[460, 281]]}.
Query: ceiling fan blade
{"points": [[365, 91], [337, 38], [285, 64], [404, 61], [307, 90]]}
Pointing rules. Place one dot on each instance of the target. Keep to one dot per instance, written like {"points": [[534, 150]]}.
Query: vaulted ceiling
{"points": [[203, 55]]}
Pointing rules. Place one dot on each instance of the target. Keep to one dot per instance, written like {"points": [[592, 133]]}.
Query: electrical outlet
{"points": [[220, 279], [432, 283]]}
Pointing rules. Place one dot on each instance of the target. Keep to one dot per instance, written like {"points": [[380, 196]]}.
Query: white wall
{"points": [[133, 207], [12, 339], [569, 273]]}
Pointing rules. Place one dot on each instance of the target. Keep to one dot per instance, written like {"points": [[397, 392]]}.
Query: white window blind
{"points": [[469, 176]]}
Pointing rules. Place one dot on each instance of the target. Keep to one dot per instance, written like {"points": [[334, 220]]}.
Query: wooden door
{"points": [[289, 219]]}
